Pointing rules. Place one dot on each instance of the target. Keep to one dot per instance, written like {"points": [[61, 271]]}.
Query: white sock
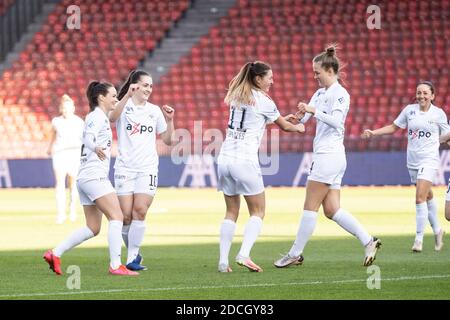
{"points": [[305, 230], [115, 243], [61, 200], [73, 240], [432, 216], [227, 229], [252, 230], [135, 237], [125, 231], [421, 220], [351, 225]]}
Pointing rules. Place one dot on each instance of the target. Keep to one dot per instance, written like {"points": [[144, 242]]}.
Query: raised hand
{"points": [[168, 112]]}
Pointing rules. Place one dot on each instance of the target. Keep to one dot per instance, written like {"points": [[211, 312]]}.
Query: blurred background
{"points": [[194, 48]]}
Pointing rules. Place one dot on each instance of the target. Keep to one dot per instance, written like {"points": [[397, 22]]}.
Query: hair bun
{"points": [[331, 50]]}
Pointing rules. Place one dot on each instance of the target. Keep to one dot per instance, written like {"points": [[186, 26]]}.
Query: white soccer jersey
{"points": [[97, 125], [137, 128], [246, 127], [424, 129], [335, 102], [69, 133]]}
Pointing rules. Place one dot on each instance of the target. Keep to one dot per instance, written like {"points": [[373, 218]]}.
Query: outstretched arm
{"points": [[285, 124], [390, 129]]}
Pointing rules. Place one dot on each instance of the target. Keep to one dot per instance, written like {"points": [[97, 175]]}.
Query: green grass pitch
{"points": [[181, 250]]}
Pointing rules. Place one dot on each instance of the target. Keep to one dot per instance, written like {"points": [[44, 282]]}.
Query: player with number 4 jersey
{"points": [[329, 106], [97, 195]]}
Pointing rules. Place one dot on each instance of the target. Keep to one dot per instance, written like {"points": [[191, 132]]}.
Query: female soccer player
{"points": [[329, 106], [446, 139], [239, 172], [65, 144], [97, 195], [136, 168], [425, 123]]}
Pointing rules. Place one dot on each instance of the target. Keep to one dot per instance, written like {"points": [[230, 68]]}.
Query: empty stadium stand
{"points": [[382, 66]]}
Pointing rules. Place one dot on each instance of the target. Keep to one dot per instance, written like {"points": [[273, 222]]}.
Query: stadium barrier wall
{"points": [[290, 169]]}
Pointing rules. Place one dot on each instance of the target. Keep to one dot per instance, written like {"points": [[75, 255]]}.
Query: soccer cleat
{"points": [[286, 261], [122, 271], [439, 240], [248, 263], [136, 265], [53, 261], [224, 268], [371, 251], [139, 258], [417, 246]]}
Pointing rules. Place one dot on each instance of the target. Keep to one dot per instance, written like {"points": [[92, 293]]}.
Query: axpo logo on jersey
{"points": [[419, 134], [138, 128]]}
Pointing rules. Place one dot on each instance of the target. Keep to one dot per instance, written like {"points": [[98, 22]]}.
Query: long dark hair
{"points": [[94, 89], [133, 77]]}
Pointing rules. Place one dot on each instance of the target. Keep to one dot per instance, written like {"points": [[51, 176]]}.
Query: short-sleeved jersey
{"points": [[69, 133], [335, 98], [424, 129], [137, 128], [246, 126], [97, 125]]}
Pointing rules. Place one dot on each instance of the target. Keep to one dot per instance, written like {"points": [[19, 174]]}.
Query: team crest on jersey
{"points": [[90, 124], [341, 100], [128, 110], [412, 113]]}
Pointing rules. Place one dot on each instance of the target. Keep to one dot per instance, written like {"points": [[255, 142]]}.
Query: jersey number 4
{"points": [[82, 151]]}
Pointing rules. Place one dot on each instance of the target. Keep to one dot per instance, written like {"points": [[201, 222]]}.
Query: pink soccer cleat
{"points": [[53, 261], [122, 271]]}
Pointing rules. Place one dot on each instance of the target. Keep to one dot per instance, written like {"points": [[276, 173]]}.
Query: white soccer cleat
{"points": [[287, 261], [224, 268], [439, 240], [417, 246], [248, 263], [371, 251]]}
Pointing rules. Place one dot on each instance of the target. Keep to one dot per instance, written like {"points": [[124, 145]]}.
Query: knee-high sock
{"points": [[432, 216], [251, 233], [227, 229], [305, 230], [135, 237], [351, 225], [421, 220], [73, 240], [125, 231], [115, 242]]}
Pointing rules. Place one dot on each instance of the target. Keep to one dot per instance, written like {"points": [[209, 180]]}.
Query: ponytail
{"points": [[133, 77], [94, 90], [240, 87]]}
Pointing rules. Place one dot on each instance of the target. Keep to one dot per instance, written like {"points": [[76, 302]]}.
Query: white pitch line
{"points": [[217, 287]]}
